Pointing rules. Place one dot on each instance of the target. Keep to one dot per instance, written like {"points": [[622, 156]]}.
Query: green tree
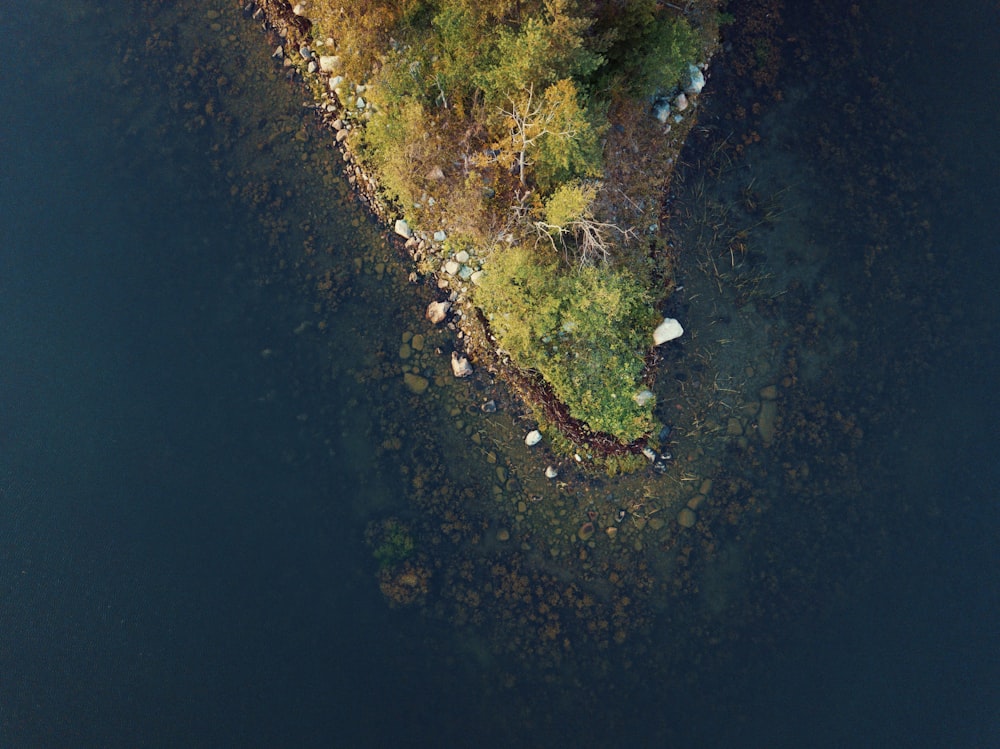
{"points": [[539, 53], [553, 133], [585, 330]]}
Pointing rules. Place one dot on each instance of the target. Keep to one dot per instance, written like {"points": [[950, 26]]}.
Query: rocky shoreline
{"points": [[648, 141]]}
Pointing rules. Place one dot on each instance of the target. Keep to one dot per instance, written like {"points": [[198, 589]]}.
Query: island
{"points": [[522, 151]]}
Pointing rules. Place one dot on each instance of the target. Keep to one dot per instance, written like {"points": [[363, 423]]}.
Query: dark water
{"points": [[181, 563]]}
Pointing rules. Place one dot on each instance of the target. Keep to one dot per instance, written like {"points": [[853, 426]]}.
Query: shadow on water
{"points": [[188, 461]]}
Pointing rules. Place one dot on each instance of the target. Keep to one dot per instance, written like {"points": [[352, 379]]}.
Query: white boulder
{"points": [[437, 311], [403, 229], [667, 330], [460, 366], [696, 80], [643, 398]]}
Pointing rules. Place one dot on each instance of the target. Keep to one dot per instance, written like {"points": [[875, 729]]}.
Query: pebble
{"points": [[657, 523], [417, 342], [503, 535], [586, 531], [686, 518], [551, 472], [533, 438], [734, 428], [405, 351], [769, 393]]}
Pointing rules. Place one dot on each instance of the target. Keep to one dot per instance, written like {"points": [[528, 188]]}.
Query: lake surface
{"points": [[200, 420]]}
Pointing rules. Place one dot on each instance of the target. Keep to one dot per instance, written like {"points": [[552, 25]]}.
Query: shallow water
{"points": [[189, 460]]}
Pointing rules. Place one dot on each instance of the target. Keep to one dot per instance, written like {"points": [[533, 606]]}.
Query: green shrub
{"points": [[585, 330]]}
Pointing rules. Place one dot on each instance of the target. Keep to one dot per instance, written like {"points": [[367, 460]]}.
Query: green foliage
{"points": [[519, 294], [394, 143], [571, 148], [671, 45], [537, 55], [647, 49], [584, 330], [502, 103], [570, 202], [460, 44], [391, 542]]}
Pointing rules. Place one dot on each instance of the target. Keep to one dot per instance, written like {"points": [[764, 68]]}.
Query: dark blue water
{"points": [[181, 561]]}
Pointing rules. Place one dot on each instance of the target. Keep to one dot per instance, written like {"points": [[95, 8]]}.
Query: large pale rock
{"points": [[437, 311], [403, 229], [328, 63], [533, 438], [460, 366], [696, 80], [643, 398], [667, 330]]}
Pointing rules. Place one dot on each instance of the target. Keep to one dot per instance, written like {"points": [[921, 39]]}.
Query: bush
{"points": [[585, 330]]}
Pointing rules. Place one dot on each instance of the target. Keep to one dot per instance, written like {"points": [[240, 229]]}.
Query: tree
{"points": [[570, 223], [538, 54], [553, 131]]}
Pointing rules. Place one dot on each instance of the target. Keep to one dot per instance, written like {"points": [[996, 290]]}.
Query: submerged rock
{"points": [[766, 421], [415, 382]]}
